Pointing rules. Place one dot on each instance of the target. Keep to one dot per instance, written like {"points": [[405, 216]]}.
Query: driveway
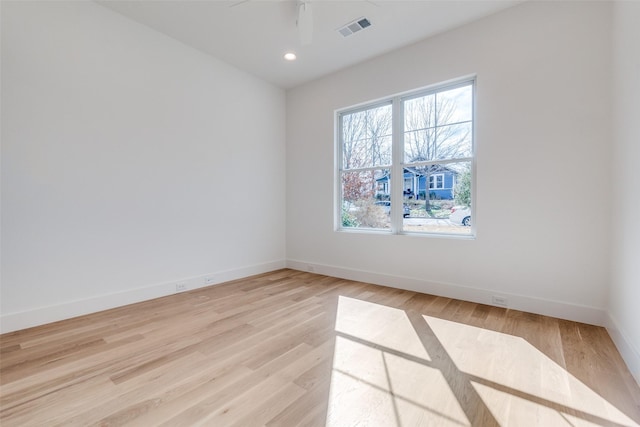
{"points": [[434, 225]]}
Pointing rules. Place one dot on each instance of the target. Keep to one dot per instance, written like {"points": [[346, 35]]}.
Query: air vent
{"points": [[353, 27]]}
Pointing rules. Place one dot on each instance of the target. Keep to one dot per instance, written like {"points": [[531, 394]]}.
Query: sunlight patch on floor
{"points": [[379, 324], [391, 368], [525, 375], [375, 388]]}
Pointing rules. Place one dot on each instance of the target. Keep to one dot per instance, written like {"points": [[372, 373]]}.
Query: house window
{"points": [[436, 182], [415, 150]]}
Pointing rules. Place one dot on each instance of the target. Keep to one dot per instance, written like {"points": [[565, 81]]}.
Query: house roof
{"points": [[434, 169]]}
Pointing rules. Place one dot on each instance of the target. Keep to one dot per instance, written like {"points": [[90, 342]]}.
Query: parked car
{"points": [[386, 205], [460, 215]]}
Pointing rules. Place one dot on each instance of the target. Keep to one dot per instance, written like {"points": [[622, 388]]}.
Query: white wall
{"points": [[624, 301], [129, 162], [543, 155]]}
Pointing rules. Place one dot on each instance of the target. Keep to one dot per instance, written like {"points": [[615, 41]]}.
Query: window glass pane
{"points": [[419, 113], [366, 138], [430, 209], [454, 105], [452, 142], [365, 199], [438, 126], [419, 145]]}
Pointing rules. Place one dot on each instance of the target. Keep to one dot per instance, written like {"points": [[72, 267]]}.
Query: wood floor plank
{"points": [[178, 399], [293, 348], [305, 409]]}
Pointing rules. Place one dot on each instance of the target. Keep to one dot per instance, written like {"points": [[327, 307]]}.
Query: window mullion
{"points": [[397, 171], [337, 185]]}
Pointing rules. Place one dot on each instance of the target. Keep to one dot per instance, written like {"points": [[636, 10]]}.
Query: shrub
{"points": [[370, 215], [462, 191], [348, 220]]}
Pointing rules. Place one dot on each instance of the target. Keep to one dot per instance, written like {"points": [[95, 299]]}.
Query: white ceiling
{"points": [[253, 35]]}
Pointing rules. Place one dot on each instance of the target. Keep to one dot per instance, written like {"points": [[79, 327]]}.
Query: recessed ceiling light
{"points": [[290, 56]]}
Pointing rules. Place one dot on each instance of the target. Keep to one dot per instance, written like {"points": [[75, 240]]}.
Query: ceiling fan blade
{"points": [[305, 22]]}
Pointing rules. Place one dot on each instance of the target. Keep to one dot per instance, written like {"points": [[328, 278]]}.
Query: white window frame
{"points": [[396, 181], [435, 181]]}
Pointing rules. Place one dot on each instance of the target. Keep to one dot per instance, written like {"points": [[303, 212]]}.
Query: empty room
{"points": [[320, 213]]}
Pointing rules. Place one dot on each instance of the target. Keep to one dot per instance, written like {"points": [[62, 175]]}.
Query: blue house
{"points": [[441, 183]]}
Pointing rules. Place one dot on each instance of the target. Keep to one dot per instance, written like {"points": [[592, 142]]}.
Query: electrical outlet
{"points": [[181, 287], [498, 300], [209, 280]]}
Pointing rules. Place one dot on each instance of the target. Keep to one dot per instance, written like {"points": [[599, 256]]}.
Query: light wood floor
{"points": [[290, 348]]}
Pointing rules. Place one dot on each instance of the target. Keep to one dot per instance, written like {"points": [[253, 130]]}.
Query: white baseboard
{"points": [[562, 310], [629, 353], [21, 320]]}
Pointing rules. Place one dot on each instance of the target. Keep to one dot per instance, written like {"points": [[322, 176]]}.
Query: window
{"points": [[436, 181], [415, 152], [366, 147]]}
